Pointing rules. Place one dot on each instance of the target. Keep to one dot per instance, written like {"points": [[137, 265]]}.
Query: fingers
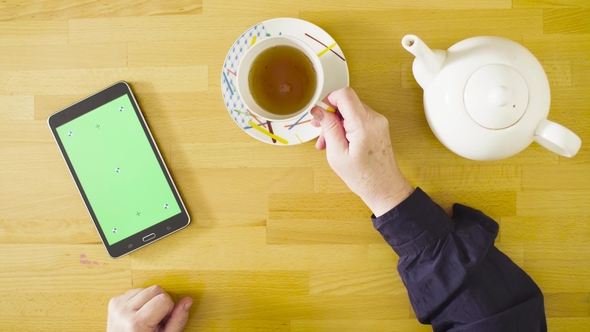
{"points": [[347, 102], [320, 144], [315, 123], [179, 316], [130, 294], [325, 106], [332, 131], [147, 309], [142, 297], [155, 309]]}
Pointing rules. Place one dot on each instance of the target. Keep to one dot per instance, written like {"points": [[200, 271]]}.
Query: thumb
{"points": [[332, 130], [179, 316]]}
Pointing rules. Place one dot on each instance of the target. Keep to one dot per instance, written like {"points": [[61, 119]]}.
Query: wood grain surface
{"points": [[277, 242]]}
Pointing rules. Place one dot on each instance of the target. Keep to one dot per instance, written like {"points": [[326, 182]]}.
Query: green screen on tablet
{"points": [[118, 170]]}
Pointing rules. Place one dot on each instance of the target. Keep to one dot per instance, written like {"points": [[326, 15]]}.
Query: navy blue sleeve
{"points": [[457, 280]]}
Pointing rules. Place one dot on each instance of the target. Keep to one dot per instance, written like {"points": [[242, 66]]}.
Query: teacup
{"points": [[285, 94]]}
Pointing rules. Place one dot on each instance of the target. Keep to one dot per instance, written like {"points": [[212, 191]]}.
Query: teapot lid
{"points": [[496, 96]]}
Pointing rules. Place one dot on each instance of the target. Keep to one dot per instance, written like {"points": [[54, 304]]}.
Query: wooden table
{"points": [[277, 242]]}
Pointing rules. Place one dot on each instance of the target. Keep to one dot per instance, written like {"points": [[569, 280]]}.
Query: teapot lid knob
{"points": [[496, 96], [499, 96]]}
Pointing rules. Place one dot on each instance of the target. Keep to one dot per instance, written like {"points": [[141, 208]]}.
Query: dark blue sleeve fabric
{"points": [[457, 280]]}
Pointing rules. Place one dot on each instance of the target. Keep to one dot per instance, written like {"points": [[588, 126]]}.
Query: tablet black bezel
{"points": [[163, 228]]}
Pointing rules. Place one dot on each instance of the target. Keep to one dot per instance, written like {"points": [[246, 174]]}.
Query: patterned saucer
{"points": [[282, 132]]}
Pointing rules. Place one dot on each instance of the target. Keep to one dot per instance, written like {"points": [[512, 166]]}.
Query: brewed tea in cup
{"points": [[280, 78]]}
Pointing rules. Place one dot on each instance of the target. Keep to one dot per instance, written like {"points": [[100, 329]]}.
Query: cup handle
{"points": [[557, 138], [325, 106]]}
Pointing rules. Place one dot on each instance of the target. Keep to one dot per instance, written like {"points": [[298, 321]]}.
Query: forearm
{"points": [[454, 274], [382, 201]]}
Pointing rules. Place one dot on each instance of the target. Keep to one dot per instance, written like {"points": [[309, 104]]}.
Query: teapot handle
{"points": [[557, 138]]}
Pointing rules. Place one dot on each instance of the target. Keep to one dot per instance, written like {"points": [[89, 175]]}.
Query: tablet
{"points": [[118, 169]]}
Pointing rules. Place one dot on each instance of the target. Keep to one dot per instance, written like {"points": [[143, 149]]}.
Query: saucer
{"points": [[291, 132]]}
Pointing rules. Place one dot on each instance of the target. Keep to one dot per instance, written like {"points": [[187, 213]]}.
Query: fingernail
{"points": [[317, 113], [330, 109], [187, 306]]}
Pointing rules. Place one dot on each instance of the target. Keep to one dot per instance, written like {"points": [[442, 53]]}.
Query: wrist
{"points": [[390, 198]]}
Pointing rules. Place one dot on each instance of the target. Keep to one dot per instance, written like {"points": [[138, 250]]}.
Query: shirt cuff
{"points": [[414, 224]]}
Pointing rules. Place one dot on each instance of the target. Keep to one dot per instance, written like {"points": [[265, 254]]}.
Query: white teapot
{"points": [[487, 98]]}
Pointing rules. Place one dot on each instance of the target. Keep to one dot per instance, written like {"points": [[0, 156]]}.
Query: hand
{"points": [[147, 309], [358, 148]]}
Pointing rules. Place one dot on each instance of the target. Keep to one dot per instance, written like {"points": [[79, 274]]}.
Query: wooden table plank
{"points": [[277, 241]]}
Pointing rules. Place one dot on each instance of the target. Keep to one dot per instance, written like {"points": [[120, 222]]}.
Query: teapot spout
{"points": [[428, 63]]}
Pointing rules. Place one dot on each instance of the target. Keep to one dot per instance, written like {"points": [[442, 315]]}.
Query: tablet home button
{"points": [[149, 237]]}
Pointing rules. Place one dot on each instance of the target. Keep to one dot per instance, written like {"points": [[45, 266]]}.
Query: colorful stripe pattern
{"points": [[268, 133], [284, 132], [232, 100], [327, 48]]}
